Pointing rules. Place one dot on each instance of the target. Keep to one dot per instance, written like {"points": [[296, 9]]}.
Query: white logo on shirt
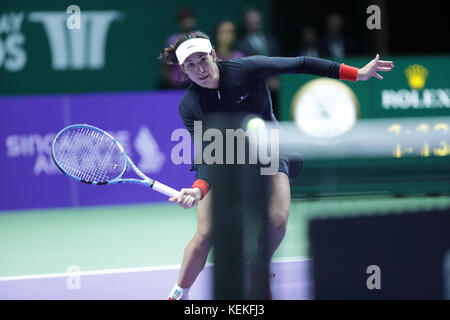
{"points": [[242, 98]]}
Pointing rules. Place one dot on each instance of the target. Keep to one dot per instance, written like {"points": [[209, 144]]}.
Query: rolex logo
{"points": [[417, 76]]}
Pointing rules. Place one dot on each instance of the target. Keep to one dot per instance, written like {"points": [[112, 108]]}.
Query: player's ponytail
{"points": [[168, 56]]}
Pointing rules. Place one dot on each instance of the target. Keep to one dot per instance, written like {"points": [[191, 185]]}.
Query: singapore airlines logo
{"points": [[81, 48], [152, 159], [416, 75]]}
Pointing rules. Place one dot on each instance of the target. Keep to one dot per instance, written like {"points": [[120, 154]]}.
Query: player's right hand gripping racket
{"points": [[91, 155]]}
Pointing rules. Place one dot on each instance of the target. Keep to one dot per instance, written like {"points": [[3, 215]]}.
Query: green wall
{"points": [[433, 98], [133, 40]]}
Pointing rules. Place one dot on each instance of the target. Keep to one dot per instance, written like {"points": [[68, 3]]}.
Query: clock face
{"points": [[325, 108]]}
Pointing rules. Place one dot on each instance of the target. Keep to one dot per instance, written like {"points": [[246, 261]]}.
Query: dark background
{"points": [[409, 27]]}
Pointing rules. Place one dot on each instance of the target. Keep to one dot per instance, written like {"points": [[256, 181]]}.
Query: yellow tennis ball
{"points": [[255, 124]]}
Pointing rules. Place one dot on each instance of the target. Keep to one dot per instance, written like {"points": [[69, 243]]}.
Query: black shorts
{"points": [[283, 166], [291, 165]]}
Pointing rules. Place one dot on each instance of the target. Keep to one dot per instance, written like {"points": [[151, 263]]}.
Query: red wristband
{"points": [[202, 185], [348, 73]]}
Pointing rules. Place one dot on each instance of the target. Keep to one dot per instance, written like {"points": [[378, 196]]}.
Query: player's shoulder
{"points": [[244, 65], [237, 63], [238, 70]]}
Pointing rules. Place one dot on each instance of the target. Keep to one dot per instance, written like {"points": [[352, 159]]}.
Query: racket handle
{"points": [[162, 188]]}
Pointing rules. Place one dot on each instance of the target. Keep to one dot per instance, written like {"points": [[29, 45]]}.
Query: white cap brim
{"points": [[191, 46]]}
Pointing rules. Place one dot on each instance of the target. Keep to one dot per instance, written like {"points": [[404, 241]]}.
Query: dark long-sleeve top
{"points": [[242, 88]]}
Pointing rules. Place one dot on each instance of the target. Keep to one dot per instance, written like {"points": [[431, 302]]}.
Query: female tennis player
{"points": [[238, 85]]}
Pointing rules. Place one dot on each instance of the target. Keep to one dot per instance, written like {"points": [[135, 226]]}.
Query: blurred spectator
{"points": [[309, 43], [225, 36], [334, 44], [255, 42], [171, 75]]}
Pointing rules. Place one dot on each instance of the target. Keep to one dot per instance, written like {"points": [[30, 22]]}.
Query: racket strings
{"points": [[71, 155], [93, 172], [98, 171], [89, 155], [92, 160]]}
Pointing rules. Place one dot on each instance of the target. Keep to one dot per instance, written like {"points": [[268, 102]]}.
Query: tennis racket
{"points": [[91, 155]]}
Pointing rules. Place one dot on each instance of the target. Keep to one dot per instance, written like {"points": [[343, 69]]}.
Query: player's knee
{"points": [[203, 238], [279, 220]]}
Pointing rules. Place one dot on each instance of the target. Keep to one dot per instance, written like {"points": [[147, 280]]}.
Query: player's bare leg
{"points": [[196, 252], [279, 207]]}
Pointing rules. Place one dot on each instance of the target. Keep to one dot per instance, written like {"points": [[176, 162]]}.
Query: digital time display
{"points": [[438, 146]]}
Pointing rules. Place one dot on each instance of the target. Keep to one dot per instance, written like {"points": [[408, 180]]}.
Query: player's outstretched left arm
{"points": [[371, 69]]}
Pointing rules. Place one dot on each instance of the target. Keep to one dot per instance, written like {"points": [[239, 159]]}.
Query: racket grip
{"points": [[162, 188]]}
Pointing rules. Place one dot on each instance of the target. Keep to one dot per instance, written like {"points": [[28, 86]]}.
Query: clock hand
{"points": [[323, 110]]}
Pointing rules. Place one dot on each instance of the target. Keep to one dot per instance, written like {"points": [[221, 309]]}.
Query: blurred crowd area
{"points": [[323, 29], [251, 38], [232, 41]]}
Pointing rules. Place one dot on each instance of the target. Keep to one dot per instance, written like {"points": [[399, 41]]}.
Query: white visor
{"points": [[192, 45]]}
